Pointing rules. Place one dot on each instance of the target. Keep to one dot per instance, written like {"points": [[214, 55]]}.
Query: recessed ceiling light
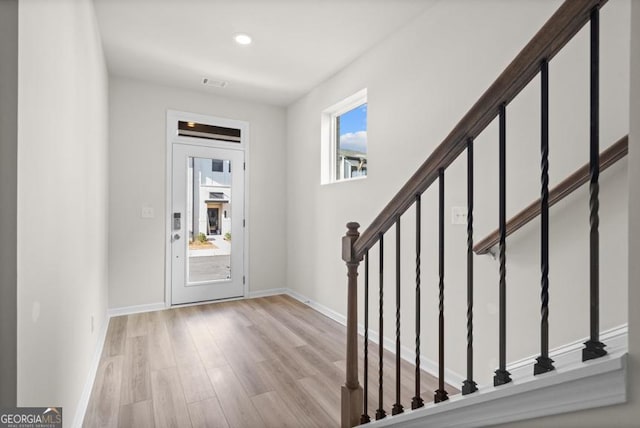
{"points": [[242, 39]]}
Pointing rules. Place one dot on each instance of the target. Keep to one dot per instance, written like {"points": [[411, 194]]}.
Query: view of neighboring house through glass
{"points": [[209, 219], [351, 143]]}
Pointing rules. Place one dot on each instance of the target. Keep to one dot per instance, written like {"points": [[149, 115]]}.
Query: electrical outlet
{"points": [[147, 212], [459, 215]]}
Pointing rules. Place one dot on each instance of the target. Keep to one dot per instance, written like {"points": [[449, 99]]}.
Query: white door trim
{"points": [[172, 137]]}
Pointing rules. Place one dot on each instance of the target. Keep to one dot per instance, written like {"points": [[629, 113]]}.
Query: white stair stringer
{"points": [[574, 385]]}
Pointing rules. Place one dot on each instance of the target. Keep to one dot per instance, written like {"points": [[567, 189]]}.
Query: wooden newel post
{"points": [[351, 390]]}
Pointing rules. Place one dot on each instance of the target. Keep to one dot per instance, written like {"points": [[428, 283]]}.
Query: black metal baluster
{"points": [[365, 406], [469, 386], [441, 394], [502, 376], [380, 413], [544, 363], [593, 347], [397, 407], [417, 401]]}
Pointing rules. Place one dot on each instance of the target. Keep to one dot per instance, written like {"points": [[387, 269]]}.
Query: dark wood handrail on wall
{"points": [[556, 32], [563, 25], [608, 157]]}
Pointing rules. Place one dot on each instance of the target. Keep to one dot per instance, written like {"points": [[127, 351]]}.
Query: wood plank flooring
{"points": [[267, 362]]}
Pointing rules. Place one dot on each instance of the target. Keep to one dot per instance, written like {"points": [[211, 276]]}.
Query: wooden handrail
{"points": [[608, 157], [556, 32]]}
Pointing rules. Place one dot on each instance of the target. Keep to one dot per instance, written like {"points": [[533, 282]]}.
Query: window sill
{"points": [[346, 180]]}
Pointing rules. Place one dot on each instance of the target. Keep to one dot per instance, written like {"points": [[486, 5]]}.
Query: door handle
{"points": [[176, 237]]}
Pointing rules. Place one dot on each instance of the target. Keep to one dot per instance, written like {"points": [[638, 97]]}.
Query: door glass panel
{"points": [[209, 220]]}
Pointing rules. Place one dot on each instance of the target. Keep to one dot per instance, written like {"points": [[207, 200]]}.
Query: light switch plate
{"points": [[147, 212], [458, 215]]}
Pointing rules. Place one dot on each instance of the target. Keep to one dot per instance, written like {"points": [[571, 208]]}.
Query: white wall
{"points": [[137, 157], [62, 200], [8, 196], [420, 83]]}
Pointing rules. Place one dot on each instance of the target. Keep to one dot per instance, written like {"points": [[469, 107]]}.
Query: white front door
{"points": [[207, 223]]}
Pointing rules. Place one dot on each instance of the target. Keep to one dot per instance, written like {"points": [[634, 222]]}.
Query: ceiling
{"points": [[297, 44]]}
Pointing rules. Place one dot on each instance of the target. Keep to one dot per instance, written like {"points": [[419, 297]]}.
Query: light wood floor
{"points": [[267, 362]]}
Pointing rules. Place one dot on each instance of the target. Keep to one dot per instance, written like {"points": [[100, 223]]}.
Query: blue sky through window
{"points": [[353, 130]]}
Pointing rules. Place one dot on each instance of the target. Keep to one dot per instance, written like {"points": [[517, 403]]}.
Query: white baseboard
{"points": [[406, 353], [128, 310], [136, 309], [93, 369], [266, 293], [324, 310], [615, 339]]}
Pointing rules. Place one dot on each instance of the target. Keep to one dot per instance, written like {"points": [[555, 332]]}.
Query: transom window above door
{"points": [[209, 132]]}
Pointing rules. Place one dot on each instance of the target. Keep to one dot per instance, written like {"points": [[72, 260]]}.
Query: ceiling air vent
{"points": [[214, 83]]}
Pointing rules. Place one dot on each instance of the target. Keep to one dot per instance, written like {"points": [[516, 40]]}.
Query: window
{"points": [[216, 195], [344, 139], [351, 143], [209, 132]]}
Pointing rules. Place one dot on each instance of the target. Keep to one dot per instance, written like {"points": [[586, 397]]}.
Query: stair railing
{"points": [[532, 60], [608, 157]]}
